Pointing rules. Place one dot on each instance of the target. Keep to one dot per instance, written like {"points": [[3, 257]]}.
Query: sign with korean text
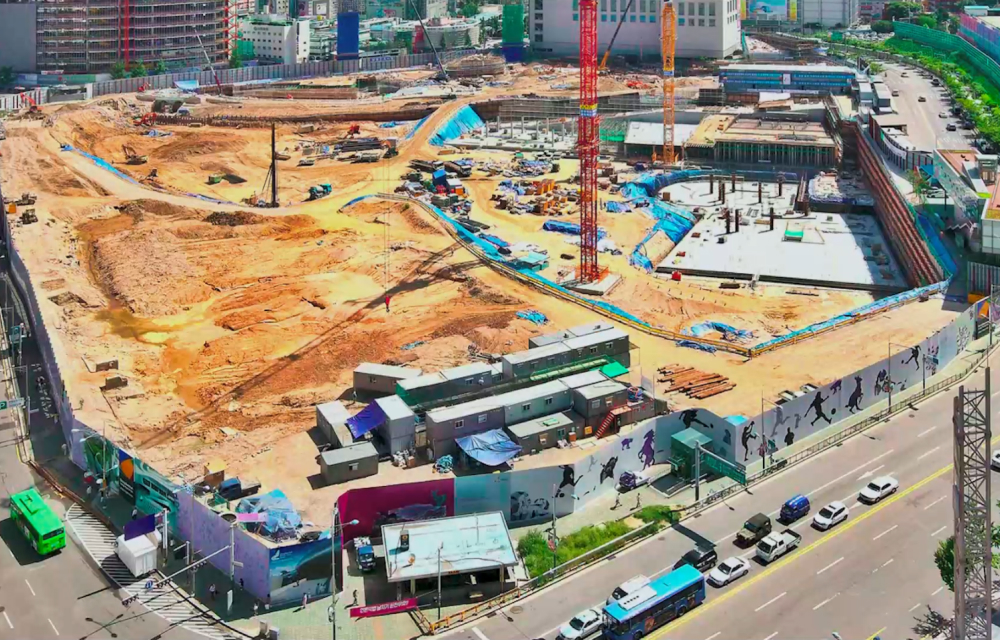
{"points": [[384, 609]]}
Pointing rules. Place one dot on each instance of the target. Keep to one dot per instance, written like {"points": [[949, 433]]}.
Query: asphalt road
{"points": [[925, 127], [873, 573]]}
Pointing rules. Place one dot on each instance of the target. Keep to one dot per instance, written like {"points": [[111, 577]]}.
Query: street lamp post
{"points": [[333, 565]]}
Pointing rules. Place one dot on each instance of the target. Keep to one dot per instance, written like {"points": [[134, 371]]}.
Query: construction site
{"points": [[238, 257]]}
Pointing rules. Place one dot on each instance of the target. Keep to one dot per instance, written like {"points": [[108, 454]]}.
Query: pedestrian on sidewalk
{"points": [[267, 604], [256, 605], [355, 598], [135, 513], [212, 591], [305, 600], [618, 501], [638, 501]]}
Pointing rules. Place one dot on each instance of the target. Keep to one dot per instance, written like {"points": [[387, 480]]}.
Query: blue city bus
{"points": [[664, 599]]}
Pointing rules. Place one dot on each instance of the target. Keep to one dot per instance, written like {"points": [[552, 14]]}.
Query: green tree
{"points": [[882, 26], [468, 40], [7, 76], [944, 559], [925, 21], [118, 70], [470, 9], [900, 10], [235, 59], [138, 71], [160, 68]]}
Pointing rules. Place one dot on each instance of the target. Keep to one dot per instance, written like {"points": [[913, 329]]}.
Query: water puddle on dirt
{"points": [[125, 324]]}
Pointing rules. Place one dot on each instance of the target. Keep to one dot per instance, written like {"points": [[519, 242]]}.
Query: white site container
{"points": [[139, 554]]}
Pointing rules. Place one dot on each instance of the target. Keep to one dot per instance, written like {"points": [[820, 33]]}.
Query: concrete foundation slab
{"points": [[599, 288]]}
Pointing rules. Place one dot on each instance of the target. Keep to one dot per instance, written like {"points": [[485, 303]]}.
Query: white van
{"points": [[627, 588]]}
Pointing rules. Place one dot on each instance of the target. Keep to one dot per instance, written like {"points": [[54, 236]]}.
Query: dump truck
{"points": [[754, 530], [775, 545], [365, 553], [320, 191]]}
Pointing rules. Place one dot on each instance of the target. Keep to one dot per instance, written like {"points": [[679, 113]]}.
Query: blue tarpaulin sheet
{"points": [[696, 345], [416, 127], [618, 207], [282, 522], [571, 228], [534, 316], [728, 332], [186, 85], [491, 448], [465, 119], [494, 240], [367, 419], [938, 247]]}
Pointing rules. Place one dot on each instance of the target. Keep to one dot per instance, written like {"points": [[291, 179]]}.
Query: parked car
{"points": [[943, 114], [922, 99], [628, 587], [995, 460], [581, 625], [831, 515], [794, 508], [633, 480], [730, 570], [878, 488], [701, 558], [895, 93], [951, 126]]}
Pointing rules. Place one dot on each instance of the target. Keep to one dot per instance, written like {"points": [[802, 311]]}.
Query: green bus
{"points": [[39, 524]]}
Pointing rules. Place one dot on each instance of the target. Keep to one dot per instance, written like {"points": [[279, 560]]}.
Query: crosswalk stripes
{"points": [[166, 600]]}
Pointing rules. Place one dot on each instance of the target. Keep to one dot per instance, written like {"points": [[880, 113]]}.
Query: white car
{"points": [[730, 570], [830, 515], [878, 488], [582, 625], [995, 460]]}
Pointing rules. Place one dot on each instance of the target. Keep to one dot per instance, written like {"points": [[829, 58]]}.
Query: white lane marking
{"points": [[771, 636], [934, 503], [771, 601], [7, 618], [831, 565], [29, 586], [924, 433], [826, 601], [916, 606], [714, 635], [479, 634], [939, 531], [870, 472], [886, 564], [922, 456], [885, 532], [939, 589], [52, 624]]}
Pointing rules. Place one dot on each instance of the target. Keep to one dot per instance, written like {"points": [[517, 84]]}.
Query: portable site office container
{"points": [[524, 363], [587, 329], [612, 344], [380, 379], [545, 432], [593, 402], [549, 338], [421, 389], [497, 368], [534, 402], [447, 423], [584, 379], [349, 463], [330, 415], [399, 429]]}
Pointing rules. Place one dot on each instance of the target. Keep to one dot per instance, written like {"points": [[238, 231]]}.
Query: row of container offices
{"points": [[561, 388]]}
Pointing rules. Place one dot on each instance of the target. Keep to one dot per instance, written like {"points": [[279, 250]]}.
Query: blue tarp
{"points": [[491, 448], [534, 316], [367, 419], [416, 127], [440, 177], [465, 119], [494, 240], [186, 85], [570, 228], [283, 521], [696, 345], [618, 207], [937, 246], [728, 332]]}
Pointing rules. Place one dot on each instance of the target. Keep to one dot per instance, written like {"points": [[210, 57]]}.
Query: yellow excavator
{"points": [[603, 69]]}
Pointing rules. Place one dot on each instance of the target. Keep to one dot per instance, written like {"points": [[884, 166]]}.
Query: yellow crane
{"points": [[668, 42], [604, 61]]}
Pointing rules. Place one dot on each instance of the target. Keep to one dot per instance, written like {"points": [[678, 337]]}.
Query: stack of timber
{"points": [[692, 382]]}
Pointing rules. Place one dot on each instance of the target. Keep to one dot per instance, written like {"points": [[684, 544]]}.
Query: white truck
{"points": [[775, 545]]}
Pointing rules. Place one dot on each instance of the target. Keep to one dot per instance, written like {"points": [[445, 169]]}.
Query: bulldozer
{"points": [[131, 157]]}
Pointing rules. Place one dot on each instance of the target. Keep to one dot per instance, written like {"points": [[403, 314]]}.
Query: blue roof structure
{"points": [[491, 448], [371, 417]]}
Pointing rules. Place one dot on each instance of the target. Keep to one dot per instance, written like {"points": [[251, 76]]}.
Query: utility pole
{"points": [[697, 471], [973, 526], [440, 546], [274, 168], [555, 536]]}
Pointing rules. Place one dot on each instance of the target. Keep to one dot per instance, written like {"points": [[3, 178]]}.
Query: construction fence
{"points": [[277, 72], [17, 101]]}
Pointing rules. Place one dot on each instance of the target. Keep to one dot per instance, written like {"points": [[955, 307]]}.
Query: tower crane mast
{"points": [[668, 42], [588, 141]]}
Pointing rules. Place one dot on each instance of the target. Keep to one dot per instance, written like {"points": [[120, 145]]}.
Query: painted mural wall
{"points": [[376, 506], [299, 569]]}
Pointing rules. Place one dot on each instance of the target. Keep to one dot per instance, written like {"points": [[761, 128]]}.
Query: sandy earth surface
{"points": [[231, 323]]}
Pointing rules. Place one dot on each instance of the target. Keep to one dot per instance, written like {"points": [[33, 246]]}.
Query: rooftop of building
{"points": [[542, 425], [466, 544], [372, 369], [350, 453], [722, 128], [993, 21], [791, 68]]}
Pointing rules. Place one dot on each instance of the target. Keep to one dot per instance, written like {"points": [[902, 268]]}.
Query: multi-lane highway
{"points": [[924, 125], [873, 573]]}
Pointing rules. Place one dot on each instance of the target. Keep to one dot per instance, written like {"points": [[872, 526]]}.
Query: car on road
{"points": [[878, 488], [776, 545], [729, 570], [951, 126], [794, 508], [905, 74], [943, 114], [701, 558], [831, 515], [895, 93], [995, 460], [628, 587], [581, 625], [753, 530], [922, 99]]}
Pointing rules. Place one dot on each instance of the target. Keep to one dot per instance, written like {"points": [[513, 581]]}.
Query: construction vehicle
{"points": [[153, 174], [390, 148], [354, 131], [28, 216], [320, 191], [278, 155], [215, 178], [131, 157], [147, 119], [26, 200], [603, 68]]}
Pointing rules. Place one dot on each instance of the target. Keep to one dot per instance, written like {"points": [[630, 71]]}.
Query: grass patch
{"points": [[658, 513], [534, 548]]}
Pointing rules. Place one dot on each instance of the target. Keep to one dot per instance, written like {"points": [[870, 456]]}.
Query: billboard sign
{"points": [[769, 9]]}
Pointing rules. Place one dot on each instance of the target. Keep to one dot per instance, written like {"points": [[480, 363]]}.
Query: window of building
{"points": [[526, 407], [576, 17], [614, 17], [652, 18], [353, 466], [604, 5], [631, 18], [711, 22], [711, 10], [576, 5], [372, 379], [469, 381], [614, 5], [548, 401], [604, 17], [539, 5], [482, 418], [690, 8], [593, 349], [539, 16], [642, 6], [701, 22], [701, 8], [680, 9], [560, 434], [642, 18], [595, 404], [542, 438], [459, 424], [680, 21]]}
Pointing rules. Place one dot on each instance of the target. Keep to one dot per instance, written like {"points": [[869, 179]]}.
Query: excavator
{"points": [[354, 131], [603, 68], [147, 119], [131, 157]]}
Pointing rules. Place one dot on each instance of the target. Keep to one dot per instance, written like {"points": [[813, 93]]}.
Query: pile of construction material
{"points": [[692, 382], [538, 197], [477, 66]]}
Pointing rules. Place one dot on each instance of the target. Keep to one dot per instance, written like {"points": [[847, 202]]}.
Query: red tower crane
{"points": [[588, 141]]}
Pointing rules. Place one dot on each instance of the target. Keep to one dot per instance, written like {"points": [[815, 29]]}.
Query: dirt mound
{"points": [[200, 144], [228, 219]]}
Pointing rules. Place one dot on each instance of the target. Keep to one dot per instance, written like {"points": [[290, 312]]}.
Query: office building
{"points": [[830, 13], [276, 39]]}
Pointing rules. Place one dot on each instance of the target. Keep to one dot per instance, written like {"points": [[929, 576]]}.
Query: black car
{"points": [[701, 558]]}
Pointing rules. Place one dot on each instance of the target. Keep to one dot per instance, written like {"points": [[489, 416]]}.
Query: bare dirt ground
{"points": [[232, 323]]}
